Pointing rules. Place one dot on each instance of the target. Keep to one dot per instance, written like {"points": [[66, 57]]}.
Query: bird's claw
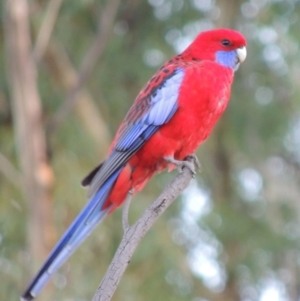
{"points": [[195, 159], [185, 163]]}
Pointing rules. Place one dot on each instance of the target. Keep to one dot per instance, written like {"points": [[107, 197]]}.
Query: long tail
{"points": [[81, 227]]}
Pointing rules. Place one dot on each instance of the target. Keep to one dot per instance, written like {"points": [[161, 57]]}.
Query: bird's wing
{"points": [[154, 106]]}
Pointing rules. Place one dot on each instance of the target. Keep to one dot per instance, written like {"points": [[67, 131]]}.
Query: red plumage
{"points": [[203, 97]]}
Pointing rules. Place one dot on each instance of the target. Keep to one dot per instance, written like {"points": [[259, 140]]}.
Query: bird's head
{"points": [[224, 46]]}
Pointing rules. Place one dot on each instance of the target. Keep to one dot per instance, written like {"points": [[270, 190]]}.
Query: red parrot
{"points": [[172, 115]]}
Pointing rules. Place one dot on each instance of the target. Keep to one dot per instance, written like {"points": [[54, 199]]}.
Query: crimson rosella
{"points": [[172, 115]]}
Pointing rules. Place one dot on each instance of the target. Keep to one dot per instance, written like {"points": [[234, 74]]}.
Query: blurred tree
{"points": [[37, 175], [243, 244]]}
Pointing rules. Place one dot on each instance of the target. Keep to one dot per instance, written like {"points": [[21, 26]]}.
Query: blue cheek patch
{"points": [[227, 59]]}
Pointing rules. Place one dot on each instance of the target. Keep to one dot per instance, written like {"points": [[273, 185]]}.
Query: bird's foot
{"points": [[125, 212], [185, 163], [194, 158]]}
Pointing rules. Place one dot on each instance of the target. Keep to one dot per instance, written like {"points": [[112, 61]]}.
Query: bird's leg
{"points": [[185, 163], [125, 212]]}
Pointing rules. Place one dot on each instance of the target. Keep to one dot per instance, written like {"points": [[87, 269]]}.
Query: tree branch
{"points": [[105, 25], [137, 231], [46, 29], [65, 75]]}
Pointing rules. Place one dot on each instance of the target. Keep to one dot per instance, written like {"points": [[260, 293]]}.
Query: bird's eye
{"points": [[225, 42]]}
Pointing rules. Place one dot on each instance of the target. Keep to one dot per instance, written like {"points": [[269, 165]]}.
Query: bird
{"points": [[172, 115]]}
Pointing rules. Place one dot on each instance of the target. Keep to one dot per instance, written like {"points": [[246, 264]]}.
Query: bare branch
{"points": [[96, 50], [65, 75], [136, 232], [46, 30]]}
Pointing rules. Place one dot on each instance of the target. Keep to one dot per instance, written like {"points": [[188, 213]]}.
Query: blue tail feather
{"points": [[81, 227]]}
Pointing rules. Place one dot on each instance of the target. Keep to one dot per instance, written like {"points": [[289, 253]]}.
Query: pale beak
{"points": [[241, 53]]}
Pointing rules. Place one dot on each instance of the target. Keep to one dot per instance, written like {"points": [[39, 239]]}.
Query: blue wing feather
{"points": [[129, 137], [165, 100]]}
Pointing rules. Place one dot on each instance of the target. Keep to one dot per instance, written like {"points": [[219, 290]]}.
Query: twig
{"points": [[46, 30], [136, 232], [105, 25], [125, 212]]}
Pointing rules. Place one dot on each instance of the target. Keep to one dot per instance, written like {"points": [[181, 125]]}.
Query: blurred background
{"points": [[69, 72]]}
